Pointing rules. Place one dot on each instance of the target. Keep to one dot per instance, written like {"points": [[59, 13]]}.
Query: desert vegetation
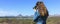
{"points": [[26, 20]]}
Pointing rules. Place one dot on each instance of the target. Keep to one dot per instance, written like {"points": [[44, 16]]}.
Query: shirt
{"points": [[36, 15]]}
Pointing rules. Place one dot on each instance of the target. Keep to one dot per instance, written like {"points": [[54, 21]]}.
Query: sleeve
{"points": [[36, 15]]}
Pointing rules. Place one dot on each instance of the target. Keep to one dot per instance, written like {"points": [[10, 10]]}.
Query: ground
{"points": [[50, 20]]}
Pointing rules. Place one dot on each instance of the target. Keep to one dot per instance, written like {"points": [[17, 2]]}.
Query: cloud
{"points": [[8, 13]]}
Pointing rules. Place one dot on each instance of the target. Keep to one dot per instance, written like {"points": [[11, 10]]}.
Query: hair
{"points": [[38, 2], [42, 9]]}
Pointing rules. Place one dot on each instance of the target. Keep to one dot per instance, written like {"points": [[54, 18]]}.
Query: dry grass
{"points": [[51, 20]]}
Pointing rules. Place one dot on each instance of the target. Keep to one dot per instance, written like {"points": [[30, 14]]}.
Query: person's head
{"points": [[41, 8], [39, 3]]}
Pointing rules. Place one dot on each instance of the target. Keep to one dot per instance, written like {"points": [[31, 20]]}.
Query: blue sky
{"points": [[25, 7]]}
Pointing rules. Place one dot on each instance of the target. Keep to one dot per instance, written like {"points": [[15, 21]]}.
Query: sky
{"points": [[25, 7]]}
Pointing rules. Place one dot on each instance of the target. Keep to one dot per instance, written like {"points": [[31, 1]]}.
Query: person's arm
{"points": [[37, 16]]}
